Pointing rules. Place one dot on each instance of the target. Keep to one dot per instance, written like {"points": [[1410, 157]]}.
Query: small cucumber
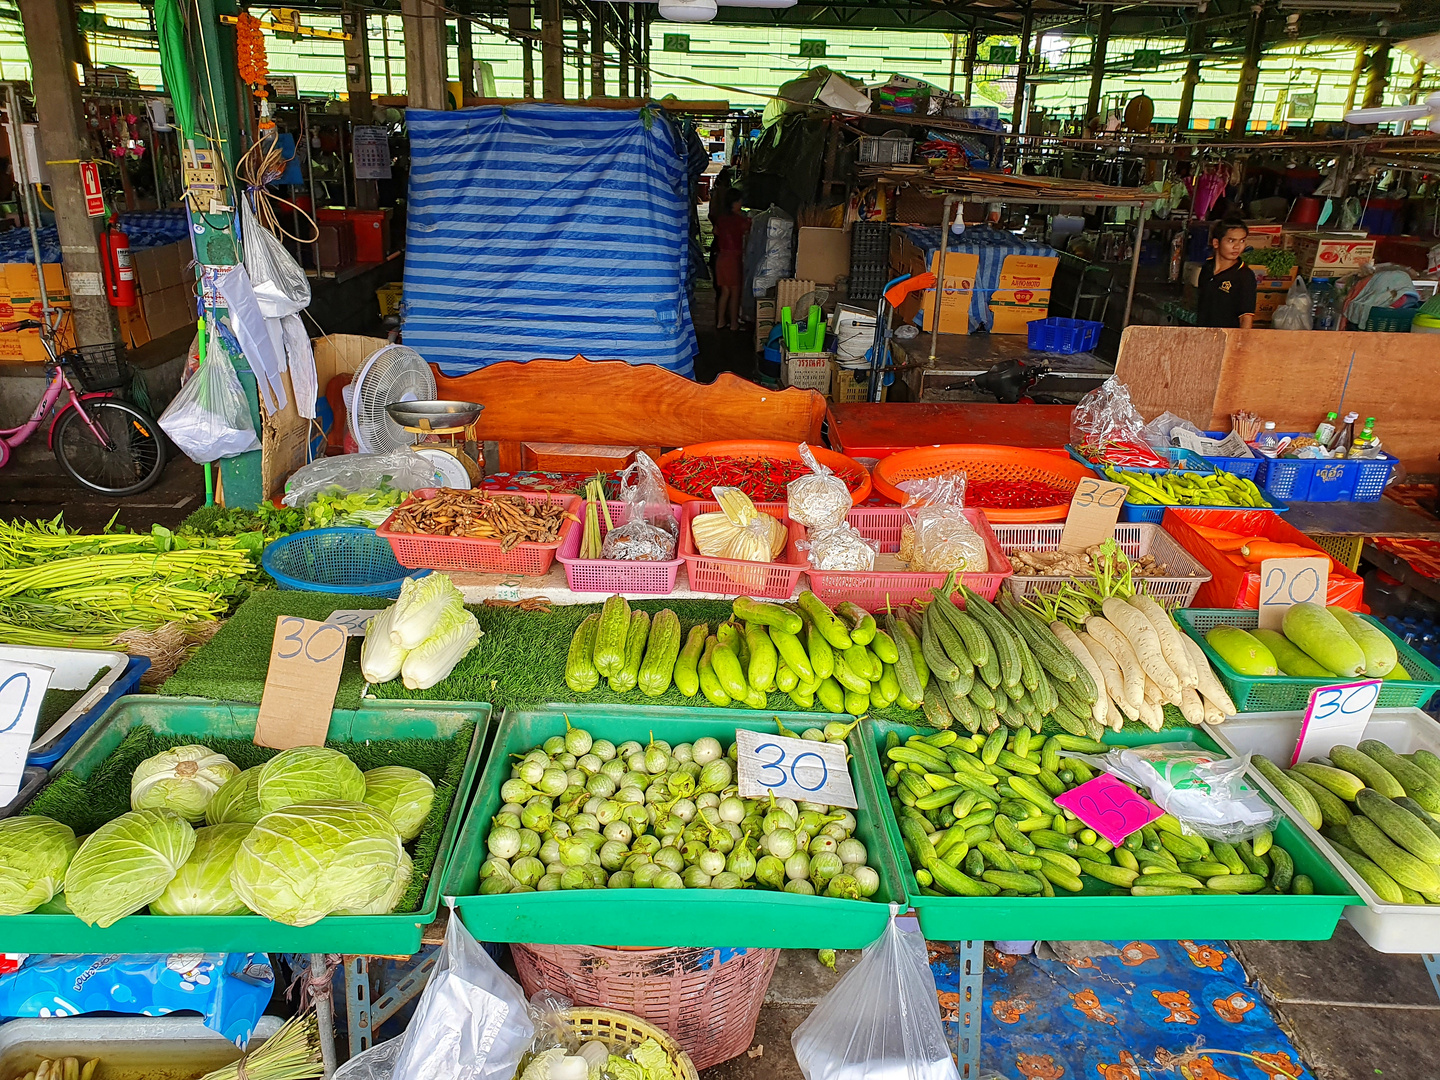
{"points": [[860, 622], [772, 615], [825, 620], [687, 664]]}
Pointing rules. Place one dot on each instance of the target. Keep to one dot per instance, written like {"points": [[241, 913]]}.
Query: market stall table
{"points": [[1383, 518], [963, 356], [867, 430]]}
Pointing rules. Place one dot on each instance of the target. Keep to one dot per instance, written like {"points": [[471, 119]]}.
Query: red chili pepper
{"points": [[763, 479]]}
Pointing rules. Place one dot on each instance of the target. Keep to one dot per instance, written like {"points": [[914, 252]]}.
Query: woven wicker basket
{"points": [[707, 1000], [621, 1031]]}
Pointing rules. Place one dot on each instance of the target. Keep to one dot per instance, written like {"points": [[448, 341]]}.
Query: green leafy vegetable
{"points": [[401, 794], [305, 774], [34, 852], [126, 864], [202, 887]]}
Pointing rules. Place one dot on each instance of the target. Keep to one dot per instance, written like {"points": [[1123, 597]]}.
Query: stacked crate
{"points": [[869, 260]]}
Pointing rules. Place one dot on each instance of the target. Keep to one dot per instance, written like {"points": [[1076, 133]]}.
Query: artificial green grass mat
{"points": [[86, 804], [53, 706]]}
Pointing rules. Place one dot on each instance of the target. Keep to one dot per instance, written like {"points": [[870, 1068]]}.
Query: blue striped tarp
{"points": [[547, 231], [993, 246]]}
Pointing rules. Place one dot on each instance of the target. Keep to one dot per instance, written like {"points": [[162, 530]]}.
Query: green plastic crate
{"points": [[391, 935], [1285, 693], [670, 918], [1085, 916]]}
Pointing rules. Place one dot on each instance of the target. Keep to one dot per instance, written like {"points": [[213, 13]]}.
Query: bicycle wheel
{"points": [[133, 458]]}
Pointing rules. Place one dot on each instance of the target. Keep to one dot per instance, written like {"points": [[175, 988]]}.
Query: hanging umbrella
{"points": [[175, 63]]}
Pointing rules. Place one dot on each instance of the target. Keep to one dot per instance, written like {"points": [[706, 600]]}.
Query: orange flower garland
{"points": [[250, 53]]}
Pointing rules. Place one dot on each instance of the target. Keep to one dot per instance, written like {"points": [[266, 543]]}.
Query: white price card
{"points": [[1287, 582], [22, 689], [353, 620], [796, 769], [1335, 716]]}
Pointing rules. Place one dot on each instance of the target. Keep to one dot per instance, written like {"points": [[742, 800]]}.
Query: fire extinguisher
{"points": [[119, 274]]}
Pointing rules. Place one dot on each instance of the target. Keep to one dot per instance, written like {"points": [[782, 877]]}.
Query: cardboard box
{"points": [[1283, 281], [1026, 271], [954, 310], [22, 280], [1321, 254], [805, 371], [168, 310], [822, 255], [839, 94], [134, 331], [960, 266], [1012, 310], [161, 267], [1267, 302], [1264, 236]]}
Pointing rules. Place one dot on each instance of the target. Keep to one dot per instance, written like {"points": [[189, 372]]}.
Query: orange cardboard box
{"points": [[954, 310], [1012, 310], [1267, 302], [22, 280], [1027, 272], [1319, 254]]}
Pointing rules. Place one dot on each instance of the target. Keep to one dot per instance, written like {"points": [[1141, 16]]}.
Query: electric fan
{"points": [[393, 374]]}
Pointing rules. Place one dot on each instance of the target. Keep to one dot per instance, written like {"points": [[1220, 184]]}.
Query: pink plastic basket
{"points": [[622, 576], [738, 577], [873, 589], [422, 551]]}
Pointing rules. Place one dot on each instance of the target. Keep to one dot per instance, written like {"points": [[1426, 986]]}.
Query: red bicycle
{"points": [[103, 441]]}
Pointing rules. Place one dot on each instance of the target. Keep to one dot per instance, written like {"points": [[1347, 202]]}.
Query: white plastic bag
{"points": [[399, 470], [1297, 313], [1206, 791], [882, 1020], [209, 418], [471, 1022], [281, 287]]}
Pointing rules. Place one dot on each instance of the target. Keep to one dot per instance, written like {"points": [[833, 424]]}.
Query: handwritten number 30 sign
{"points": [[778, 773], [16, 686], [325, 642]]}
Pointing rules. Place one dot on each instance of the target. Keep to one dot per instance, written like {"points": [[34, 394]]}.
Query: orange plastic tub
{"points": [[981, 462], [773, 451]]}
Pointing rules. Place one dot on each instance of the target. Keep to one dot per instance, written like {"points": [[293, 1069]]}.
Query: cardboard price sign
{"points": [[1094, 509], [1109, 807], [793, 769], [306, 658], [22, 688], [353, 621], [1287, 582], [1336, 716]]}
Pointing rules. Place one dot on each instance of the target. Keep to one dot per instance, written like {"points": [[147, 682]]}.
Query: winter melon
{"points": [[1290, 659], [1324, 639], [1397, 672], [1242, 651], [1379, 650]]}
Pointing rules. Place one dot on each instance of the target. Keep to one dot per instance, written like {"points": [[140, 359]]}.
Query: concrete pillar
{"points": [[1022, 74], [522, 25], [597, 54], [357, 89], [50, 41], [426, 59], [465, 52], [972, 46], [1097, 62], [552, 51], [1249, 75], [1378, 77], [1191, 78], [1355, 79]]}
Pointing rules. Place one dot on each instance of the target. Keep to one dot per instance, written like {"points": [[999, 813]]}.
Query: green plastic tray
{"points": [[1084, 917], [389, 935], [666, 918], [1284, 693]]}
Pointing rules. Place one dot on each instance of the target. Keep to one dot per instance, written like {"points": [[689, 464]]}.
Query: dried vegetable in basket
{"points": [[820, 501], [1084, 563], [939, 538], [481, 515], [737, 530]]}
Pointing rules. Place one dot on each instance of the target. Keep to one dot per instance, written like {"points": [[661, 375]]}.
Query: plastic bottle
{"points": [[1325, 431], [1347, 436], [1367, 445], [1268, 443]]}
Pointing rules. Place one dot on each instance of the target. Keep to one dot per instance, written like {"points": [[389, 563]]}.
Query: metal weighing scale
{"points": [[446, 434]]}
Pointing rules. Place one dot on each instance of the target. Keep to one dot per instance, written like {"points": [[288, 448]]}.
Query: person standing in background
{"points": [[731, 228], [1227, 285]]}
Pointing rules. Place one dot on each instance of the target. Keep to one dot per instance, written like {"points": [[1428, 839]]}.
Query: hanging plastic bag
{"points": [[650, 531], [281, 287], [209, 418], [819, 499], [1297, 313], [399, 470], [882, 1020], [938, 537], [471, 1022]]}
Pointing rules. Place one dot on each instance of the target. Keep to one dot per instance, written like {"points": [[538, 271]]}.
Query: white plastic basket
{"points": [[1136, 539]]}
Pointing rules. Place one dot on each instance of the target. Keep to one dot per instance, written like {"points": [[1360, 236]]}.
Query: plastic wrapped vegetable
{"points": [[819, 500], [737, 530], [839, 547], [939, 538], [650, 531]]}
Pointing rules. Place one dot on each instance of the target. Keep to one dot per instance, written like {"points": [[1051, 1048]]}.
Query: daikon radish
{"points": [[1118, 646], [1144, 641], [1208, 685], [1076, 647], [1114, 680], [1169, 635]]}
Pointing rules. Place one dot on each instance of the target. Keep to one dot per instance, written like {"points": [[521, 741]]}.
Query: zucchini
{"points": [[1290, 791], [1400, 825], [1381, 883], [661, 654], [580, 673], [764, 659], [1418, 783], [883, 645], [1404, 867], [1374, 774], [625, 679], [858, 621], [793, 653], [830, 627], [611, 635], [771, 615], [687, 664]]}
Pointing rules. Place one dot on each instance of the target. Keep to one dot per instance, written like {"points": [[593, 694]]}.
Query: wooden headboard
{"points": [[612, 403]]}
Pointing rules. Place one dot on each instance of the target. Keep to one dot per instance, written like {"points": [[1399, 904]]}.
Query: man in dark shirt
{"points": [[1227, 286]]}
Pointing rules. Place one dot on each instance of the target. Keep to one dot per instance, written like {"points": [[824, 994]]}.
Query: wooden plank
{"points": [[867, 430], [1172, 367], [1383, 518]]}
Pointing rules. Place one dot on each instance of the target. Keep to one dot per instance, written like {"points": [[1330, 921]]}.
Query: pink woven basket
{"points": [[707, 1000], [738, 577], [419, 551], [623, 576]]}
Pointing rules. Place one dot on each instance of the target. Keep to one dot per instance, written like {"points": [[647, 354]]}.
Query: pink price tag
{"points": [[1109, 807]]}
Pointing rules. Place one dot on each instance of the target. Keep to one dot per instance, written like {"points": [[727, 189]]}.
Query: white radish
{"points": [[1152, 716], [1068, 638], [1191, 706], [1208, 685], [1113, 680], [1144, 641], [1113, 715], [1153, 693], [1118, 646], [1212, 714], [1169, 635]]}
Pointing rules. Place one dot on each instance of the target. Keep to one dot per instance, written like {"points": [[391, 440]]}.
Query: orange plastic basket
{"points": [[419, 551], [773, 451], [980, 462]]}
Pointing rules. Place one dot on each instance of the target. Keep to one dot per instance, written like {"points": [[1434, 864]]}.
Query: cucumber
{"points": [[1427, 761], [887, 688], [1023, 884], [825, 620], [728, 670], [793, 653], [1344, 785], [1158, 890], [1290, 791], [857, 704], [912, 686], [687, 664], [1012, 837], [1302, 885], [785, 679], [1400, 825], [1054, 841], [1174, 881], [626, 678], [848, 677], [1057, 875], [706, 677], [1418, 783], [771, 615], [1282, 869], [1381, 883], [830, 696], [1415, 808], [1404, 867], [883, 646], [1227, 855], [955, 882], [858, 621], [1261, 843], [1236, 883], [1208, 869], [1184, 848], [580, 673], [1368, 769], [610, 636], [1332, 808]]}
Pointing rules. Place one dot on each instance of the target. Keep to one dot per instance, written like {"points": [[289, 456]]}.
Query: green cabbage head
{"points": [[386, 904], [202, 887], [126, 864], [309, 860], [34, 852], [184, 779], [238, 801], [308, 774], [404, 795]]}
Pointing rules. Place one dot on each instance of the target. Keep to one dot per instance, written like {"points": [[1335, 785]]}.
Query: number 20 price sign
{"points": [[796, 769], [1287, 582]]}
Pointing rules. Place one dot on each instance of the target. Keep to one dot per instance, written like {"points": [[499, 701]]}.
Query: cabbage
{"points": [[308, 774], [651, 1057], [311, 859], [126, 863], [183, 779], [403, 795], [34, 852], [386, 904], [380, 658], [422, 602], [434, 658], [237, 801], [202, 887]]}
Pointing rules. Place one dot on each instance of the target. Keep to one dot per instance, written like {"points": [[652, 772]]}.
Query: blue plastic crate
{"points": [[340, 560], [1187, 461], [1329, 480], [126, 683], [1058, 335], [1246, 468]]}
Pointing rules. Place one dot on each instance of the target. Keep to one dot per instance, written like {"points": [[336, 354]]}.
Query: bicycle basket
{"points": [[97, 367]]}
